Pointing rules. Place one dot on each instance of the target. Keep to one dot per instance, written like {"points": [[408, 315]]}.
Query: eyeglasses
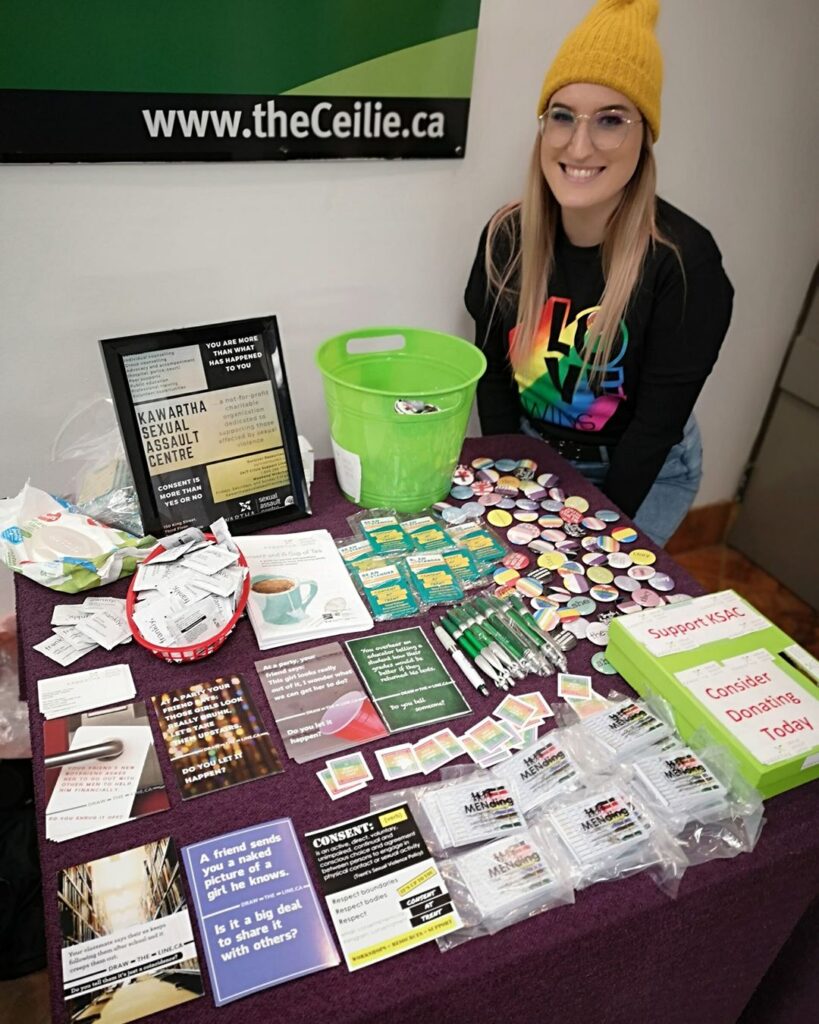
{"points": [[607, 128]]}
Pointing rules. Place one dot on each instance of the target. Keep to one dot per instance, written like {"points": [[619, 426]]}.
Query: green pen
{"points": [[492, 651], [493, 628], [472, 649], [533, 658], [547, 646], [466, 666], [555, 651]]}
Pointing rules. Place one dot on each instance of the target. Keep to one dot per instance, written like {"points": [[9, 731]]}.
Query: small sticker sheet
{"points": [[332, 789], [505, 873], [586, 708], [541, 772], [490, 734], [626, 728], [538, 702], [514, 711], [347, 769], [430, 754], [450, 742], [398, 762], [71, 694], [482, 757], [573, 687], [474, 811]]}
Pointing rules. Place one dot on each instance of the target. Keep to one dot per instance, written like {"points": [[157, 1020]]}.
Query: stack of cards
{"points": [[344, 775], [190, 590], [82, 691], [81, 628], [490, 741]]}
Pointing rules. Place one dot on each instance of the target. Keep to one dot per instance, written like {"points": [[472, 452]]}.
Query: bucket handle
{"points": [[371, 340]]}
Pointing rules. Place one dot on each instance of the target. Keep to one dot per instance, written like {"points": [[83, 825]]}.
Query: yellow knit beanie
{"points": [[615, 46]]}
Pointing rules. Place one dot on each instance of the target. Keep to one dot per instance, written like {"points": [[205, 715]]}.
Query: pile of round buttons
{"points": [[568, 566]]}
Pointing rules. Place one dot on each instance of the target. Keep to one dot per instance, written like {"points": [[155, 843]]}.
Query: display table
{"points": [[624, 952]]}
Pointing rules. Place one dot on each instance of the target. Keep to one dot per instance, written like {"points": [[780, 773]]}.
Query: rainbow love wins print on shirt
{"points": [[554, 382]]}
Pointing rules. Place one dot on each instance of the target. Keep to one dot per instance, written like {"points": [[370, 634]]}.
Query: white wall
{"points": [[103, 250]]}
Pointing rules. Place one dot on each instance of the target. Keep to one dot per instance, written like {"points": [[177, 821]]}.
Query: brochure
{"points": [[215, 736], [318, 702], [300, 589], [378, 909], [127, 943], [100, 769], [259, 916], [406, 679]]}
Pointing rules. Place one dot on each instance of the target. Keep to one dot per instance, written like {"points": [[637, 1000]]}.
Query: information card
{"points": [[384, 891], [258, 913]]}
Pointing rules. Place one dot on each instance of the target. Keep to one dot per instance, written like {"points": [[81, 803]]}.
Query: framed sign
{"points": [[207, 424], [248, 80]]}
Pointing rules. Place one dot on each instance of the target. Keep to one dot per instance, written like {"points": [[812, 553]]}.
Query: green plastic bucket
{"points": [[386, 458]]}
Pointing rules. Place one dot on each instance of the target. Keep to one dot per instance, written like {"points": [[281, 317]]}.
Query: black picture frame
{"points": [[195, 400]]}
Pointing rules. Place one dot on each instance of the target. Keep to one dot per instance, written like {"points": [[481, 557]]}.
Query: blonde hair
{"points": [[523, 278]]}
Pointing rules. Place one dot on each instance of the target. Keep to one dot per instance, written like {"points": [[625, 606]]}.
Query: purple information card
{"points": [[258, 914]]}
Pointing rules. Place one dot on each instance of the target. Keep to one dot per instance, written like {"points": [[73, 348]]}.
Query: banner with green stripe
{"points": [[244, 80]]}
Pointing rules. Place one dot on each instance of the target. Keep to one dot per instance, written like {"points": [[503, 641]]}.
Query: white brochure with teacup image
{"points": [[300, 589]]}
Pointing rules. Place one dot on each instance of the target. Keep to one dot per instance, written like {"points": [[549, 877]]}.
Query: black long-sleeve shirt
{"points": [[668, 344]]}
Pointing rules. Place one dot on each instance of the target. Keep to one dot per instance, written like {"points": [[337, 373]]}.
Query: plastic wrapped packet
{"points": [[426, 533], [49, 541], [382, 528], [433, 580], [355, 553], [618, 732], [15, 739], [469, 808], [90, 446], [387, 589], [698, 791], [541, 772], [503, 882], [472, 574], [608, 833], [481, 540]]}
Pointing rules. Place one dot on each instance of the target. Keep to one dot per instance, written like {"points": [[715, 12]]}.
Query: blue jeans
{"points": [[671, 494]]}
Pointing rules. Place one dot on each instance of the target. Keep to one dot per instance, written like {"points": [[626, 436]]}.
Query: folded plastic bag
{"points": [[51, 542]]}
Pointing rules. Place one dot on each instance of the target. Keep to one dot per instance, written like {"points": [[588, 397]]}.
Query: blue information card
{"points": [[258, 914]]}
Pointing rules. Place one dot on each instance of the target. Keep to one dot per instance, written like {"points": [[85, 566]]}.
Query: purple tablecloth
{"points": [[624, 952]]}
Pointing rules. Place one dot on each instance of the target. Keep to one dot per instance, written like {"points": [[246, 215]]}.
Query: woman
{"points": [[601, 308]]}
